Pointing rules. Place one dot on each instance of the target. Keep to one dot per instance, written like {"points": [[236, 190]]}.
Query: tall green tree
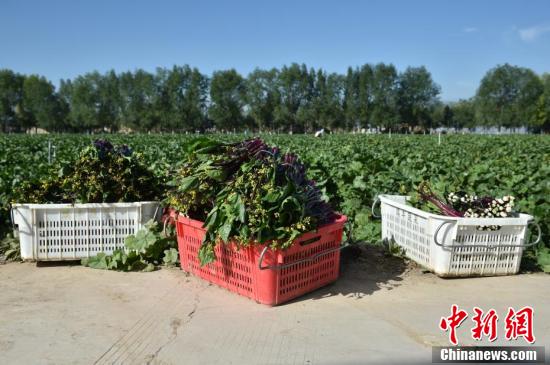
{"points": [[95, 101], [196, 101], [227, 94], [442, 115], [384, 89], [306, 118], [110, 101], [183, 98], [295, 87], [542, 119], [448, 116], [328, 100], [11, 98], [41, 104], [437, 114], [351, 99], [417, 95], [262, 97], [507, 97], [140, 95], [365, 94], [464, 114], [65, 97], [84, 103]]}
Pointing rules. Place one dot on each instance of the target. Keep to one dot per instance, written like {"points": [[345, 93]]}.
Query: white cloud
{"points": [[532, 33], [470, 29]]}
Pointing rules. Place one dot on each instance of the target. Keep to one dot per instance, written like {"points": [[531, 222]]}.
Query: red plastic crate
{"points": [[311, 262]]}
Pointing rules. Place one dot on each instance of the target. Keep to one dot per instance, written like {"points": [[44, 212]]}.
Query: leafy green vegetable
{"points": [[100, 261], [462, 204], [9, 248], [144, 251], [101, 173], [171, 257], [248, 193], [543, 259], [516, 165]]}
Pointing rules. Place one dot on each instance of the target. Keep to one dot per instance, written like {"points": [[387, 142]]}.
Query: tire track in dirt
{"points": [[155, 329]]}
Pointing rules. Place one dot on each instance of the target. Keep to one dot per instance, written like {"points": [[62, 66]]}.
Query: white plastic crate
{"points": [[52, 232], [451, 246]]}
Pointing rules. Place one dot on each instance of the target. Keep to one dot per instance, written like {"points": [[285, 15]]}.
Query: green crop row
{"points": [[351, 169]]}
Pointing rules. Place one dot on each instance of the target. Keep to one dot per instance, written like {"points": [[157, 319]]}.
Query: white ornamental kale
{"points": [[472, 206]]}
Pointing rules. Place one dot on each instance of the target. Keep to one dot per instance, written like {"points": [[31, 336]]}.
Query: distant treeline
{"points": [[294, 98]]}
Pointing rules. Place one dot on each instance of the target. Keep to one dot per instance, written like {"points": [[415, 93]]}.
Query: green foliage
{"points": [[542, 119], [507, 96], [543, 259], [294, 98], [417, 96], [9, 248], [227, 90], [183, 98], [145, 251], [394, 249], [385, 102], [463, 114], [262, 96], [11, 100], [247, 193], [349, 169], [295, 84], [141, 104], [94, 101], [102, 173], [41, 104], [443, 115], [328, 110], [114, 177]]}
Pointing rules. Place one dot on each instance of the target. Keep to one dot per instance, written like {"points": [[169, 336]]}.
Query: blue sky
{"points": [[458, 41]]}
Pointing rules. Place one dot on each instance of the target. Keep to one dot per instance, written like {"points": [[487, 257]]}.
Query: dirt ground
{"points": [[381, 310]]}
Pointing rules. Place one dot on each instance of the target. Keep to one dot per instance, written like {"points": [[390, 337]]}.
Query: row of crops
{"points": [[350, 169]]}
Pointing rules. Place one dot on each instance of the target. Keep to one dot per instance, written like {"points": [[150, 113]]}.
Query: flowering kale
{"points": [[102, 173], [485, 207], [427, 195], [248, 193], [124, 150], [461, 204], [105, 147]]}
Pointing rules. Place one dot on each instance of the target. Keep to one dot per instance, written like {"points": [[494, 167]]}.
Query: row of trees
{"points": [[508, 96], [293, 98]]}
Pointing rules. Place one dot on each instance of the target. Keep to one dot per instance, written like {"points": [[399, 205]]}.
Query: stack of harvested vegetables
{"points": [[247, 193]]}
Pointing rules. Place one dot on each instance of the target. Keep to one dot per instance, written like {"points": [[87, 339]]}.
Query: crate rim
{"points": [[395, 200], [338, 223], [82, 205]]}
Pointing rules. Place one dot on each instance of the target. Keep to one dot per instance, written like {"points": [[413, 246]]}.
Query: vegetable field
{"points": [[350, 169]]}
